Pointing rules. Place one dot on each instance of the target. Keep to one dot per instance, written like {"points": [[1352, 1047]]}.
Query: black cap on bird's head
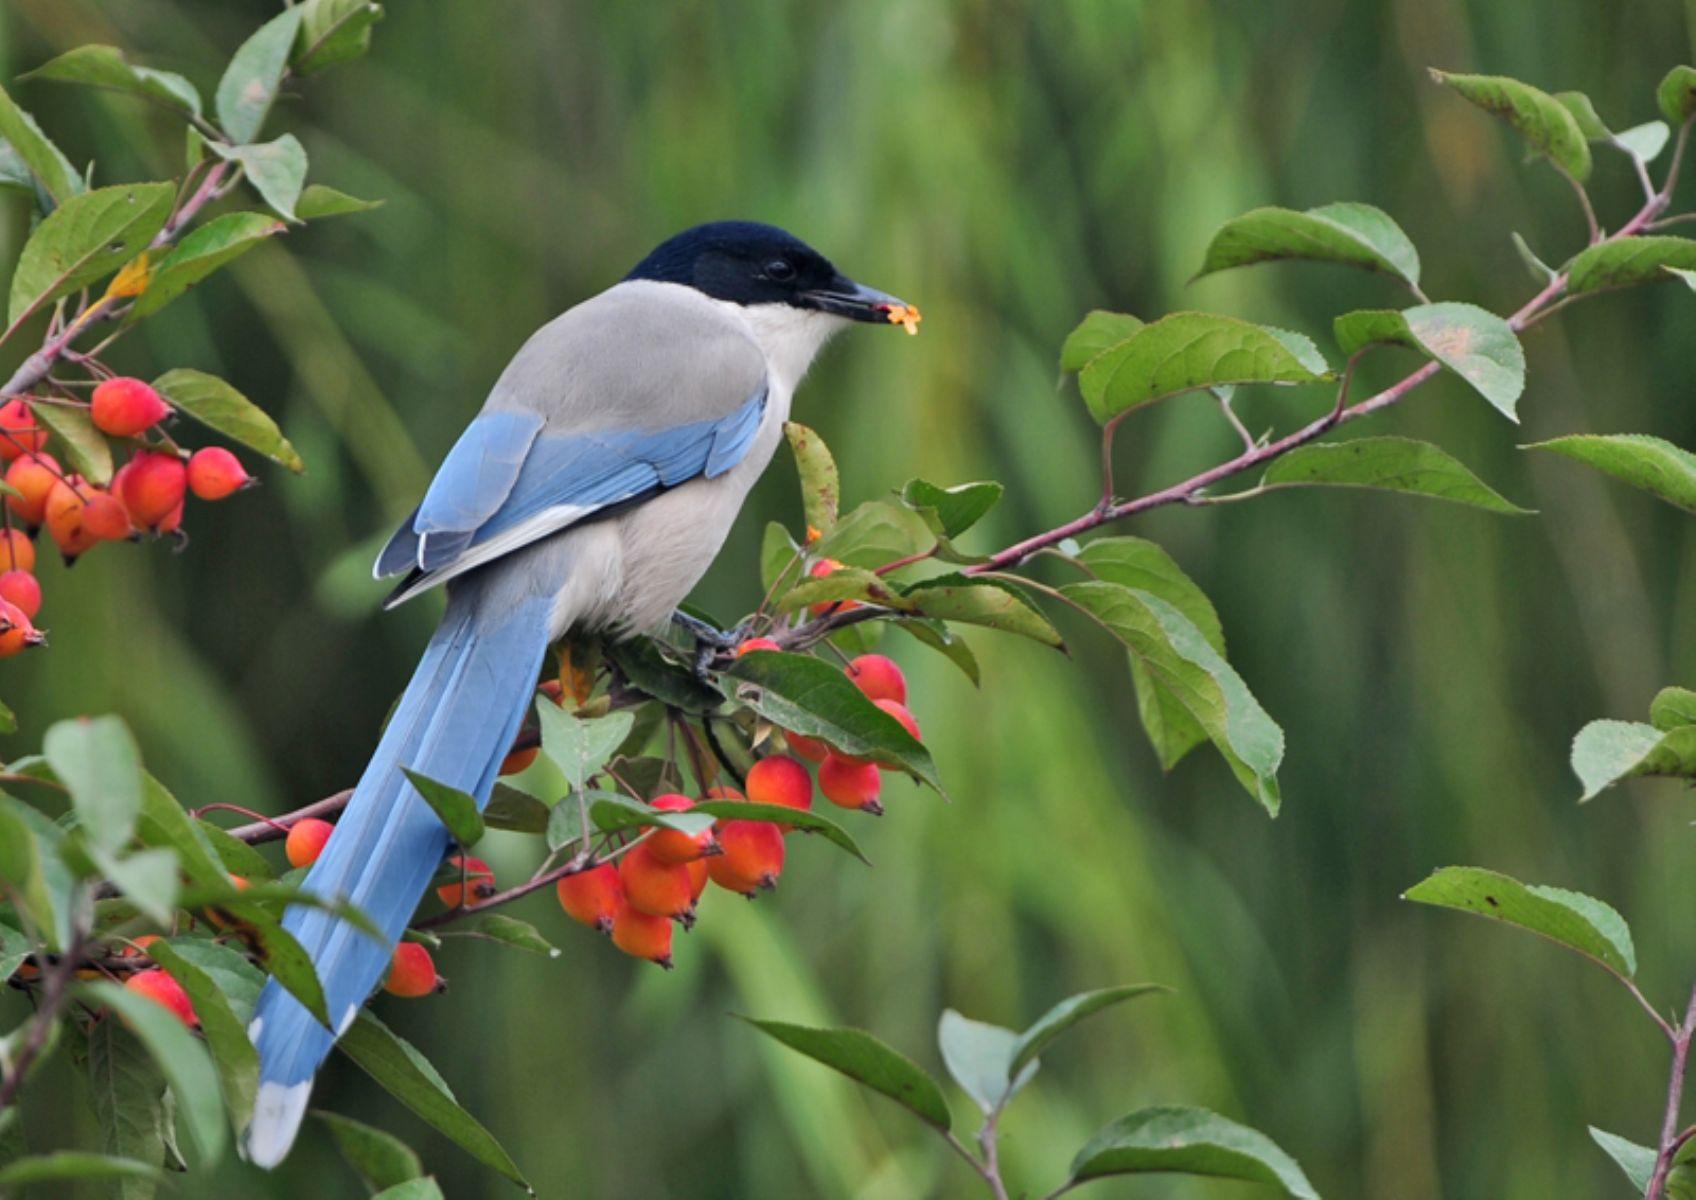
{"points": [[745, 262]]}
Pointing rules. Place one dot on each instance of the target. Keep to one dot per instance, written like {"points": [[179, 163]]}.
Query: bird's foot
{"points": [[709, 640]]}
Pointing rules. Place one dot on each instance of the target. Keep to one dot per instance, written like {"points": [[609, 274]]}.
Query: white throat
{"points": [[789, 337]]}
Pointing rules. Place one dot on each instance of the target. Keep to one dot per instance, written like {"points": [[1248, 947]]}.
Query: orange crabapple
{"points": [[781, 780], [22, 589], [752, 858], [878, 677], [20, 433], [478, 882], [659, 889], [166, 992], [518, 761], [152, 486], [214, 473], [124, 407], [32, 476], [306, 841], [673, 845], [698, 877], [412, 972], [850, 784], [808, 748], [16, 632], [640, 935], [17, 552], [756, 643], [592, 897]]}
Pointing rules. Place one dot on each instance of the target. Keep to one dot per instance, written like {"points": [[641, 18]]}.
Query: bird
{"points": [[589, 495]]}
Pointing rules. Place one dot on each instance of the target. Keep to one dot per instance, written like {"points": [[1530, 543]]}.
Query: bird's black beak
{"points": [[845, 298]]}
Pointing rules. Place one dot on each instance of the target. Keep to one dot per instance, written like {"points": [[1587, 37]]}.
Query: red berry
{"points": [[697, 878], [519, 760], [752, 858], [808, 748], [878, 677], [899, 711], [80, 516], [642, 936], [306, 841], [17, 552], [849, 784], [214, 473], [151, 486], [592, 897], [21, 588], [166, 992], [16, 632], [32, 476], [19, 432], [829, 566], [673, 845], [124, 407], [783, 781], [758, 643], [412, 972], [660, 889], [479, 882]]}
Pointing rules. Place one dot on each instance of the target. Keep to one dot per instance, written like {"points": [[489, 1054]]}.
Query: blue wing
{"points": [[506, 484]]}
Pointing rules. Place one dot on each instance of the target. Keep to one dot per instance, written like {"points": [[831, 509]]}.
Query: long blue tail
{"points": [[455, 724]]}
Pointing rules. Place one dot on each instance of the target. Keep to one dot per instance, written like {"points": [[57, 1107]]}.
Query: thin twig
{"points": [[1670, 1138], [55, 985]]}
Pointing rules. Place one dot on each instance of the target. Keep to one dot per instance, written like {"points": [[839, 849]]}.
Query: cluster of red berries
{"points": [[146, 494]]}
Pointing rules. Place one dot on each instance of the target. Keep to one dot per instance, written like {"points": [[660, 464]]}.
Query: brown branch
{"points": [[56, 982]]}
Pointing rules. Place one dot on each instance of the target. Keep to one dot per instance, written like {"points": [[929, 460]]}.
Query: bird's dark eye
{"points": [[780, 269]]}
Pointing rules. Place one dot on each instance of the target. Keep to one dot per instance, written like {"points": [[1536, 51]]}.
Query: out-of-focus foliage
{"points": [[1007, 166]]}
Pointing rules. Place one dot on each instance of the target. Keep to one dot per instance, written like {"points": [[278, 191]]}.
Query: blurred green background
{"points": [[1007, 166]]}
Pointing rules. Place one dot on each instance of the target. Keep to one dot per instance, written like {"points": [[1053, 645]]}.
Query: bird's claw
{"points": [[710, 640]]}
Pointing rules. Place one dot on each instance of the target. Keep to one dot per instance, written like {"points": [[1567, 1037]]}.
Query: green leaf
{"points": [[1647, 463], [1607, 752], [1068, 1013], [249, 86], [86, 237], [318, 201], [164, 823], [457, 810], [801, 694], [148, 879], [821, 487], [412, 1189], [649, 671], [229, 969], [1643, 142], [237, 857], [106, 67], [1099, 331], [408, 1077], [578, 747], [1629, 261], [1672, 708], [845, 583], [14, 946], [84, 447], [1638, 1162], [978, 1056], [287, 962], [873, 534], [1386, 463], [1569, 919], [226, 1035], [381, 1159], [512, 932], [614, 812], [277, 170], [1583, 111], [807, 821], [1477, 345], [780, 560], [46, 162], [515, 811], [1356, 235], [1179, 656], [43, 886], [76, 1164], [187, 1067], [1189, 1141], [202, 251], [1540, 271], [1538, 117], [126, 1090], [1676, 95], [1182, 353], [991, 604], [864, 1059], [946, 642], [218, 406], [951, 511], [333, 31], [96, 759]]}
